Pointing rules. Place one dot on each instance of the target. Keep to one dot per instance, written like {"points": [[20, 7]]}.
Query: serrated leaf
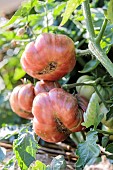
{"points": [[91, 65], [92, 116], [109, 148], [2, 153], [25, 148], [70, 7], [109, 12], [58, 163], [38, 165], [88, 150]]}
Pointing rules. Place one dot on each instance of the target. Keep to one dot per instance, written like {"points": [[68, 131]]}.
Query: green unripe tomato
{"points": [[104, 110], [85, 90]]}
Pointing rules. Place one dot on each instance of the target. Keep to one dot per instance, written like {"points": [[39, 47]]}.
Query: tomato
{"points": [[21, 100], [45, 86], [56, 115], [87, 90], [50, 57], [109, 122]]}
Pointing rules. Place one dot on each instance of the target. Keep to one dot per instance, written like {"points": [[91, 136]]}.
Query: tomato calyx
{"points": [[51, 67]]}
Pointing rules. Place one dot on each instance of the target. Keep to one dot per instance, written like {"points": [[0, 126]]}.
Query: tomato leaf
{"points": [[25, 148], [37, 165], [23, 11], [2, 153], [58, 163], [92, 116], [109, 12], [91, 65], [109, 148], [88, 150], [70, 7]]}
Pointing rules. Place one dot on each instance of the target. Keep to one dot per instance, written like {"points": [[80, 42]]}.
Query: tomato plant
{"points": [[64, 50]]}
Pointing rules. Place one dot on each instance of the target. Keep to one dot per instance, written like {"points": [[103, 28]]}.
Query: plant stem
{"points": [[99, 37], [70, 86], [88, 19], [104, 132], [101, 56], [82, 52], [94, 47]]}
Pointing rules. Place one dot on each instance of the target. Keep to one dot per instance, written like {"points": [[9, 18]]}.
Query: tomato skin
{"points": [[85, 91], [45, 86], [56, 113], [21, 100], [50, 57]]}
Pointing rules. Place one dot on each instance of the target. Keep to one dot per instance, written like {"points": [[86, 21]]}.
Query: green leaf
{"points": [[19, 73], [92, 116], [23, 11], [25, 148], [87, 150], [57, 11], [91, 65], [58, 163], [70, 7], [109, 14], [37, 166], [2, 153], [109, 148]]}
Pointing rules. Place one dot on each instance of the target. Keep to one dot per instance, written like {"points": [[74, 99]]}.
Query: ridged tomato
{"points": [[50, 57], [56, 115], [21, 100], [45, 86]]}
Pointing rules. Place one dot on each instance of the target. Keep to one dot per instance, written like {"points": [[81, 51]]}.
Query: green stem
{"points": [[88, 19], [104, 132], [94, 47], [99, 37], [70, 86], [46, 17], [82, 52], [101, 56]]}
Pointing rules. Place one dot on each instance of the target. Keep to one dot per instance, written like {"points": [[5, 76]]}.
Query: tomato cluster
{"points": [[55, 112]]}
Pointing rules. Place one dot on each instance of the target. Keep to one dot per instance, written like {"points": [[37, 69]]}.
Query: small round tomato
{"points": [[56, 115], [21, 100], [85, 90], [50, 57], [45, 86]]}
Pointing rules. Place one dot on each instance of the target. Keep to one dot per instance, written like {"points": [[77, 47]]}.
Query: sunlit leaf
{"points": [[70, 7], [25, 148]]}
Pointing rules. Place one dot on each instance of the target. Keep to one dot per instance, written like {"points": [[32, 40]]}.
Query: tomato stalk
{"points": [[94, 43], [104, 132]]}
